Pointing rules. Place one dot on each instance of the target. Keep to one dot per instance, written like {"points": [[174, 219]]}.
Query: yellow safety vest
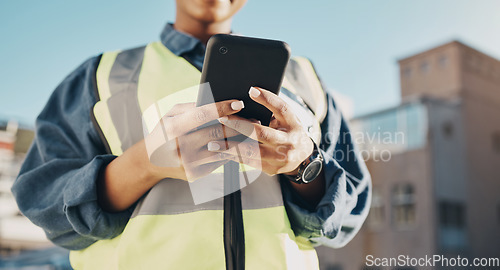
{"points": [[167, 230]]}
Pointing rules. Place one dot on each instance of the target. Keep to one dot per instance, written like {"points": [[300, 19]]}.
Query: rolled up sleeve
{"points": [[341, 212], [57, 185]]}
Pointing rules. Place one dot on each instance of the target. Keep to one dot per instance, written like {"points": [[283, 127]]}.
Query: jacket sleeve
{"points": [[56, 187], [344, 207]]}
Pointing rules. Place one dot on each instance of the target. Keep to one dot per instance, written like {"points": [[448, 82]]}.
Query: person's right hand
{"points": [[177, 149]]}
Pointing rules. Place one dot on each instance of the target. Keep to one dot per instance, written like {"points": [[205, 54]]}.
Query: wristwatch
{"points": [[309, 169]]}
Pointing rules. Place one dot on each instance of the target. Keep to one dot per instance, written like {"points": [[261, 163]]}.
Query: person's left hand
{"points": [[282, 146]]}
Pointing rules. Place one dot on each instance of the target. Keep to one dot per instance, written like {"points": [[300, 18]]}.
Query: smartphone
{"points": [[235, 63]]}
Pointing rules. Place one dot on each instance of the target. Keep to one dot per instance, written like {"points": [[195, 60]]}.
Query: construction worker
{"points": [[89, 182]]}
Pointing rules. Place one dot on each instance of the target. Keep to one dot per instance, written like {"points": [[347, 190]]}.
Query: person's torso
{"points": [[181, 225]]}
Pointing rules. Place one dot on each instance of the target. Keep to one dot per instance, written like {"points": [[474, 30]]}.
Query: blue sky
{"points": [[354, 44]]}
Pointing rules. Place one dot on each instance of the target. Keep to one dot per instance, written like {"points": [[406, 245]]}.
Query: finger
{"points": [[180, 108], [247, 150], [275, 104], [182, 123], [257, 164], [206, 158], [255, 131], [267, 166], [260, 165], [253, 120], [199, 138]]}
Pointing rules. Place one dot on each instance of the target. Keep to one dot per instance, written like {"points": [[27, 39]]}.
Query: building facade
{"points": [[435, 165], [17, 233]]}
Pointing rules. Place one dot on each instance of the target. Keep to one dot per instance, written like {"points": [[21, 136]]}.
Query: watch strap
{"points": [[314, 157]]}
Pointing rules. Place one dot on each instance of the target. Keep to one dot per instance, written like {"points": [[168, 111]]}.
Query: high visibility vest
{"points": [[167, 229]]}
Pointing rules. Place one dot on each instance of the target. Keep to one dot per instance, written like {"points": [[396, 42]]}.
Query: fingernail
{"points": [[254, 92], [223, 119], [237, 105], [213, 146]]}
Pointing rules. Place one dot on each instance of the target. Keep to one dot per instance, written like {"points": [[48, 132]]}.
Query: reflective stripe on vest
{"points": [[167, 230]]}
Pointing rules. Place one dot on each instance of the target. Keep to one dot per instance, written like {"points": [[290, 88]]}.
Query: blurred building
{"points": [[435, 163], [17, 233]]}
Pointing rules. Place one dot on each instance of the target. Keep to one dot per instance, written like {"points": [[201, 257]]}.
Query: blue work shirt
{"points": [[56, 188]]}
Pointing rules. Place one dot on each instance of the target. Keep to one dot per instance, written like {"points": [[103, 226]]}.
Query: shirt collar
{"points": [[178, 42]]}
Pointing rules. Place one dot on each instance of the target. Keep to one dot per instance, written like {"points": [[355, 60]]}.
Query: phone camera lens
{"points": [[223, 50]]}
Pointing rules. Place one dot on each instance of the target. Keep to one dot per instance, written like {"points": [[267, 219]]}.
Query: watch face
{"points": [[312, 171]]}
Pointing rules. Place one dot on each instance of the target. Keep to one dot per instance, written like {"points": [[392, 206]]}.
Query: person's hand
{"points": [[282, 146], [177, 149], [174, 149]]}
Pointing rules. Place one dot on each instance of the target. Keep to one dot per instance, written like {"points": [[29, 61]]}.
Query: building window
{"points": [[424, 66], [496, 141], [443, 61], [447, 129], [403, 201], [376, 217], [452, 234], [452, 214]]}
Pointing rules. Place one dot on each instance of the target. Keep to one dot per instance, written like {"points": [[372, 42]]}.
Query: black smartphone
{"points": [[235, 63]]}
